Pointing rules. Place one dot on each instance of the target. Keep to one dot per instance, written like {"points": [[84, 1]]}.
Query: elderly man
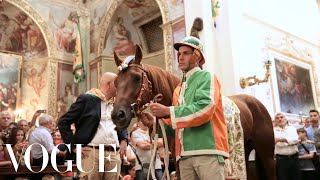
{"points": [[197, 114], [5, 120], [91, 114], [24, 125], [41, 135], [286, 149]]}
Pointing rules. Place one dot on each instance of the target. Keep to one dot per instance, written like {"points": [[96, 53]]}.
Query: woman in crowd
{"points": [[19, 143]]}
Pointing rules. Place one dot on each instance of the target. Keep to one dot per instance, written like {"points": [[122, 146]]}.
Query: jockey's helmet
{"points": [[194, 43]]}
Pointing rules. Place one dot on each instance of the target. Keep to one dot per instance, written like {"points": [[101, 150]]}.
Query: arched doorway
{"points": [[145, 27]]}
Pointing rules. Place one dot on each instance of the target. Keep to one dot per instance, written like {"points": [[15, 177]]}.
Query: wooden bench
{"points": [[23, 170]]}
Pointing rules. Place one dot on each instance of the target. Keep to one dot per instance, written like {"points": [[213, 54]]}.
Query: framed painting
{"points": [[293, 85], [10, 67], [67, 90]]}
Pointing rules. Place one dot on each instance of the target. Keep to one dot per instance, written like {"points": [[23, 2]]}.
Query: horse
{"points": [[138, 83]]}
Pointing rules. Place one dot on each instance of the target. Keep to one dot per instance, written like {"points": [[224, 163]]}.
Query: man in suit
{"points": [[91, 114]]}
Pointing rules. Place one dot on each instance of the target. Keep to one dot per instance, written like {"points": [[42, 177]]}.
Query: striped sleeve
{"points": [[174, 103], [200, 110]]}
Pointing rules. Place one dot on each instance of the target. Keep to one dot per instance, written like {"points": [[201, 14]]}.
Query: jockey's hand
{"points": [[159, 110], [147, 119]]}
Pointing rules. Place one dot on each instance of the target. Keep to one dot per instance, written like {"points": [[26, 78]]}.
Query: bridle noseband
{"points": [[145, 89]]}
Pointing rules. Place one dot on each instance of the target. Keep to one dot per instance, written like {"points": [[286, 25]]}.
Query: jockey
{"points": [[201, 140]]}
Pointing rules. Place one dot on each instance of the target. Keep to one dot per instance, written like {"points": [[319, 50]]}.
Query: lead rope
{"points": [[151, 170], [166, 152]]}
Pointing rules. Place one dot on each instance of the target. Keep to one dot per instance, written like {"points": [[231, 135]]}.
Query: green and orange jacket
{"points": [[197, 116]]}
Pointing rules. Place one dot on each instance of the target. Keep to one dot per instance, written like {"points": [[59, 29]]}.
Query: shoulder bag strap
{"points": [[134, 151], [305, 148]]}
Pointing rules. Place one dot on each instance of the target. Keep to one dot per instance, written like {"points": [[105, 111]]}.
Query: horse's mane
{"points": [[162, 82]]}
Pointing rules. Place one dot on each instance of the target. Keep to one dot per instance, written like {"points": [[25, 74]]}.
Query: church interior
{"points": [[51, 51]]}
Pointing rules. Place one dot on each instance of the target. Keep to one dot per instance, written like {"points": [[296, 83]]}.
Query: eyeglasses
{"points": [[6, 118]]}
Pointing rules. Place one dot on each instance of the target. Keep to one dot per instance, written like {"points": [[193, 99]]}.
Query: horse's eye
{"points": [[136, 78]]}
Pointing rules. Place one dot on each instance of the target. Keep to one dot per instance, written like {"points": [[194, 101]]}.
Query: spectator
{"points": [[10, 127], [41, 135], [5, 120], [53, 127], [57, 137], [24, 125], [132, 173], [173, 175], [314, 116], [28, 127], [307, 122], [141, 139], [306, 153], [18, 142], [286, 149], [91, 114], [3, 161]]}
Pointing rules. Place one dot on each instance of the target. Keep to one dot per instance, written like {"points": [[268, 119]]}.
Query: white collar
{"points": [[192, 71]]}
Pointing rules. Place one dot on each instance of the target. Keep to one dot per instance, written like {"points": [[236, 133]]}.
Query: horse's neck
{"points": [[163, 82]]}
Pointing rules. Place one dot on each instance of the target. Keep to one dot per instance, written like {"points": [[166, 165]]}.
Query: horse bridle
{"points": [[146, 86]]}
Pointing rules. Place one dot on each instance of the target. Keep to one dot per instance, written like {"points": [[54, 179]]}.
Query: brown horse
{"points": [[137, 84]]}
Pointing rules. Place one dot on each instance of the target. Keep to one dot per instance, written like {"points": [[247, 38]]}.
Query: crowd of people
{"points": [[296, 150]]}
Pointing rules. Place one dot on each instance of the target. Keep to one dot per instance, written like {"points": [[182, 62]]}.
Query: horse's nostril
{"points": [[121, 114]]}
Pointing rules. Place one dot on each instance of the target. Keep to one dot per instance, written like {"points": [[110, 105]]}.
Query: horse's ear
{"points": [[138, 55], [117, 60]]}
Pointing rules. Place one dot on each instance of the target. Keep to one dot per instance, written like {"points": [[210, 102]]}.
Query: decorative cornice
{"points": [[287, 44], [43, 26]]}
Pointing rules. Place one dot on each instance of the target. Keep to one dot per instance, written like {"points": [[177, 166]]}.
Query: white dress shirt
{"points": [[289, 133], [106, 133], [41, 135]]}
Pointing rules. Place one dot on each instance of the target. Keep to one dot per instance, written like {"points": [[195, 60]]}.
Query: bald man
{"points": [[91, 114]]}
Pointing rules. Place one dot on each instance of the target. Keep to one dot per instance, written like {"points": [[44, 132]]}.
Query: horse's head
{"points": [[133, 89]]}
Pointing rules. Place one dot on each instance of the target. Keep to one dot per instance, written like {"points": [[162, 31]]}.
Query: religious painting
{"points": [[67, 90], [10, 65], [64, 25], [33, 87], [95, 74], [137, 9], [95, 21], [20, 34], [293, 84], [123, 32], [124, 44]]}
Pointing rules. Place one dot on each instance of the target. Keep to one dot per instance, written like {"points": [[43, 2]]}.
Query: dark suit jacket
{"points": [[86, 114]]}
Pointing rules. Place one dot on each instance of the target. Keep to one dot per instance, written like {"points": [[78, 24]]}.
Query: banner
{"points": [[78, 68]]}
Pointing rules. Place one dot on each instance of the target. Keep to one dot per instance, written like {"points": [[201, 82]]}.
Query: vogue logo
{"points": [[53, 158]]}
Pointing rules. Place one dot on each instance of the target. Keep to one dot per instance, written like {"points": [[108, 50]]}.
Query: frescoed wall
{"points": [[95, 20], [176, 8], [123, 32], [19, 33], [34, 87]]}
